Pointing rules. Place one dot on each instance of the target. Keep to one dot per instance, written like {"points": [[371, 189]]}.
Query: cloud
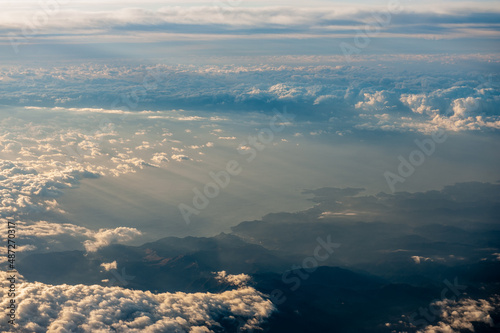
{"points": [[159, 158], [460, 315], [222, 20], [457, 108], [377, 101], [418, 103], [49, 229], [61, 149], [25, 248], [323, 99], [82, 308], [109, 266], [190, 118], [419, 259], [105, 237], [180, 157], [24, 190], [234, 280], [47, 234], [384, 98]]}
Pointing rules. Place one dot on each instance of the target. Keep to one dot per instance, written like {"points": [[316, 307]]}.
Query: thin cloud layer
{"points": [[226, 21]]}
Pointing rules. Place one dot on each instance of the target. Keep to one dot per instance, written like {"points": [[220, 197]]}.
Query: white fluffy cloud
{"points": [[105, 237], [179, 157], [459, 315], [24, 189], [91, 240], [109, 266], [418, 103], [159, 158], [82, 308], [375, 101], [441, 108], [456, 108], [235, 280]]}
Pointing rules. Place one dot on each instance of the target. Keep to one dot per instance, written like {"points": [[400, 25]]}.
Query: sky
{"points": [[125, 122], [163, 93], [168, 30]]}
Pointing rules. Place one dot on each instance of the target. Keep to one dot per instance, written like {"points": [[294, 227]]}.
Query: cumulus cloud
{"points": [[82, 308], [105, 237], [418, 103], [90, 239], [24, 189], [109, 266], [159, 158], [235, 280], [179, 157], [377, 100], [460, 315], [468, 106]]}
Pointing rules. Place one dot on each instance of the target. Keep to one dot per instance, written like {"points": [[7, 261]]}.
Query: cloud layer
{"points": [[81, 308], [224, 20], [384, 97]]}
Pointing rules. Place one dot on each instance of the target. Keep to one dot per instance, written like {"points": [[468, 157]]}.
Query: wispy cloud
{"points": [[213, 21]]}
